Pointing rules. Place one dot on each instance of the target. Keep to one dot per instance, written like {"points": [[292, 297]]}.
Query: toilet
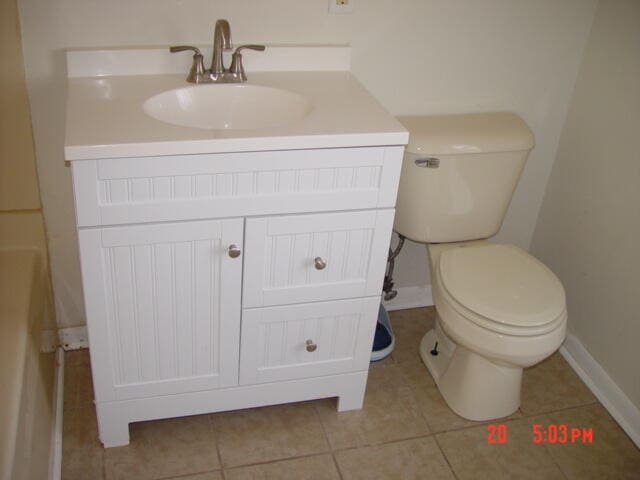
{"points": [[499, 309]]}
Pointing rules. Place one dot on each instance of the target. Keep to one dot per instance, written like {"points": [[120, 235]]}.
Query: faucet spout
{"points": [[217, 73], [221, 41]]}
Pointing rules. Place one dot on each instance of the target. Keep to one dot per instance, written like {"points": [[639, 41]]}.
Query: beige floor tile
{"points": [[200, 476], [407, 460], [164, 448], [390, 413], [82, 452], [409, 326], [552, 385], [78, 387], [386, 361], [437, 413], [269, 433], [415, 373], [319, 467], [612, 455], [472, 457]]}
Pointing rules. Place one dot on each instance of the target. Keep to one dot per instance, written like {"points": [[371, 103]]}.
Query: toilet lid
{"points": [[502, 283]]}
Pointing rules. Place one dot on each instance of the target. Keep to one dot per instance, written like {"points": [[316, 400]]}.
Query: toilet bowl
{"points": [[499, 309]]}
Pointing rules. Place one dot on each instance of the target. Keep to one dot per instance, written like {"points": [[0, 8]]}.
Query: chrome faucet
{"points": [[221, 41], [217, 73]]}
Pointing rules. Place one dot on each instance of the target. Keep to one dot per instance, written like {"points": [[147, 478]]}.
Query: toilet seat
{"points": [[502, 289]]}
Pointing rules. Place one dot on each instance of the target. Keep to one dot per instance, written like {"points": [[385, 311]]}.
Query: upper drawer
{"points": [[150, 189], [310, 258]]}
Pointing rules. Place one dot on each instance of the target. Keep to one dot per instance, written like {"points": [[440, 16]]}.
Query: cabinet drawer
{"points": [[181, 187], [306, 258], [307, 340]]}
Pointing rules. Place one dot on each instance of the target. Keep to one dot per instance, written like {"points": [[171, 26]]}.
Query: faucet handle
{"points": [[196, 74], [260, 48], [236, 68], [184, 48]]}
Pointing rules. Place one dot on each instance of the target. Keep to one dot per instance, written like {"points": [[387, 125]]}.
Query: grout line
{"points": [[564, 409], [103, 459], [188, 475], [446, 459], [380, 444], [278, 460], [215, 440], [322, 426], [335, 462], [547, 448]]}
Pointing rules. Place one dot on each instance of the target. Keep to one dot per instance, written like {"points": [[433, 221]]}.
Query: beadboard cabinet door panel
{"points": [[307, 340], [315, 257], [163, 306]]}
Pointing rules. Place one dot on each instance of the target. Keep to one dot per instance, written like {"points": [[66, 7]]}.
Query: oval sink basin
{"points": [[228, 107]]}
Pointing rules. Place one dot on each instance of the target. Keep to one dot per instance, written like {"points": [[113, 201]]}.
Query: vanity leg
{"points": [[112, 426], [352, 400]]}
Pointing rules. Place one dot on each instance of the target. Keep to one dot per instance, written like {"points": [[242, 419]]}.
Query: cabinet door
{"points": [[307, 340], [163, 307], [315, 257]]}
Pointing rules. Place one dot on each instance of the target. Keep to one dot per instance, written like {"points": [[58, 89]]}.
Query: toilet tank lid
{"points": [[467, 133]]}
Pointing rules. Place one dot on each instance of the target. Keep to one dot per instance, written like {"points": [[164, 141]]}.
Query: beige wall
{"points": [[20, 215], [21, 226], [589, 225], [18, 184], [415, 56]]}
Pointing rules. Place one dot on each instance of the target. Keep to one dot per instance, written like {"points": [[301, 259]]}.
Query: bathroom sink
{"points": [[228, 107]]}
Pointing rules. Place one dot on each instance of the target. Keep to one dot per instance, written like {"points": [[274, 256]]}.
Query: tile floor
{"points": [[404, 431]]}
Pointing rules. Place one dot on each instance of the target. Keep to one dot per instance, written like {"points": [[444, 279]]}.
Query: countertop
{"points": [[105, 118]]}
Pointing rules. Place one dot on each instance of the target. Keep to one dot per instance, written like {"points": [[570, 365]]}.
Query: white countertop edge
{"points": [[93, 152], [157, 61]]}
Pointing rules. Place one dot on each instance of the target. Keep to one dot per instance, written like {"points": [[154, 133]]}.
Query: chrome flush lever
{"points": [[430, 162]]}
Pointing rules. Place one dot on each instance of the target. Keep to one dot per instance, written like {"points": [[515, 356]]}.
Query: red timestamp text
{"points": [[561, 433], [497, 433], [553, 433]]}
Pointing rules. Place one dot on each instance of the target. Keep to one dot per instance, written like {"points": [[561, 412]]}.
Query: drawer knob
{"points": [[311, 347], [234, 251], [319, 263]]}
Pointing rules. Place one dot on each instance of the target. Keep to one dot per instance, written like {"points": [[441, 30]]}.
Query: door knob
{"points": [[234, 251], [319, 263], [311, 347]]}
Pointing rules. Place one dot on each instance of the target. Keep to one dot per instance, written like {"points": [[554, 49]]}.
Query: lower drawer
{"points": [[306, 340]]}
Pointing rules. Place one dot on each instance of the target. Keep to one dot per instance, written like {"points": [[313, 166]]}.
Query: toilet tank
{"points": [[458, 175]]}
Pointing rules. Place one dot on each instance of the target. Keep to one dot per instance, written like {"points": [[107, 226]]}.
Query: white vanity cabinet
{"points": [[231, 280]]}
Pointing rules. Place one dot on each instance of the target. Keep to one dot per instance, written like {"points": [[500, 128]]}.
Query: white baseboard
{"points": [[603, 387], [410, 297], [55, 455], [73, 338]]}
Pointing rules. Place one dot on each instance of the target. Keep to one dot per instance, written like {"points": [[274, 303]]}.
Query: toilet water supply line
{"points": [[387, 286]]}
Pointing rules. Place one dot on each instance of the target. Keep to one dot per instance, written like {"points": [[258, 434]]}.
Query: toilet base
{"points": [[473, 387]]}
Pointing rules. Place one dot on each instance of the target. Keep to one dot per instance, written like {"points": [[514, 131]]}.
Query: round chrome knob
{"points": [[234, 251], [311, 347], [319, 263]]}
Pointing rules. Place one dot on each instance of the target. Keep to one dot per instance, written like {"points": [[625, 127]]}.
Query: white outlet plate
{"points": [[341, 6]]}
